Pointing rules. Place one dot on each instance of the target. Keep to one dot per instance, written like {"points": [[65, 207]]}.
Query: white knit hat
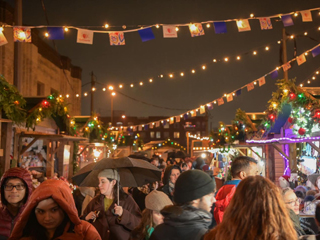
{"points": [[109, 173]]}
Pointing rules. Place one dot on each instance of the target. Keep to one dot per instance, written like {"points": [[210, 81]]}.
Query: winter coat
{"points": [[185, 222], [60, 192], [223, 198], [109, 226], [7, 221]]}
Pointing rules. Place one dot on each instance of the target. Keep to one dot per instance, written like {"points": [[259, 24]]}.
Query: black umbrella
{"points": [[82, 173], [178, 154], [139, 156]]}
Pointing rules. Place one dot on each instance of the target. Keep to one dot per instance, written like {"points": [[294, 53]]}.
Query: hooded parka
{"points": [[7, 221], [60, 192]]}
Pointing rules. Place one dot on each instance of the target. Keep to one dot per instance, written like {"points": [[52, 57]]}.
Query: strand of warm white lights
{"points": [[308, 80], [198, 138]]}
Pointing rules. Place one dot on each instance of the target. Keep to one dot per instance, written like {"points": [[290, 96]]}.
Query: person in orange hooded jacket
{"points": [[51, 214], [16, 188]]}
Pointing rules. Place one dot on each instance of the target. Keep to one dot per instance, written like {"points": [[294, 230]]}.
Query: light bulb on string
{"points": [[305, 33], [295, 14], [85, 94], [309, 82], [120, 86], [182, 74], [254, 52], [317, 72], [238, 57], [279, 42], [306, 53], [171, 75], [161, 76], [292, 36], [66, 29], [255, 83], [313, 78], [157, 26], [203, 67], [251, 15], [208, 25], [214, 60], [193, 71], [77, 95], [110, 88], [150, 80], [301, 85], [141, 83], [226, 59], [131, 85], [46, 34], [67, 96], [177, 29], [106, 25], [267, 48], [104, 89]]}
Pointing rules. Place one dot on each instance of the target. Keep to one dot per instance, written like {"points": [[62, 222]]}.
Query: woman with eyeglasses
{"points": [[16, 188]]}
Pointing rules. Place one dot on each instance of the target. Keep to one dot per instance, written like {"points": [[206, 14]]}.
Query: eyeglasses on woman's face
{"points": [[294, 202]]}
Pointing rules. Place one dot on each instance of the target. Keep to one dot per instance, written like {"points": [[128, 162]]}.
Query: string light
{"points": [[157, 26], [85, 94], [305, 33], [208, 25], [313, 78], [306, 53], [292, 36], [67, 95], [104, 89], [161, 76], [214, 60], [255, 83], [254, 52], [295, 14], [251, 15], [309, 82], [120, 86], [106, 25], [141, 83], [46, 34], [77, 95], [113, 93], [131, 85], [150, 80], [66, 29], [279, 42], [193, 71], [203, 67], [110, 88], [238, 57], [226, 59], [182, 74], [1, 29], [177, 29], [267, 48], [171, 75], [93, 89]]}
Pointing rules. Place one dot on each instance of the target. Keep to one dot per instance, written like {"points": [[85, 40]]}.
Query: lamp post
{"points": [[112, 96]]}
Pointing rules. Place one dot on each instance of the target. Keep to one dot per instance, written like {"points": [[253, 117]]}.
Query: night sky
{"points": [[139, 61]]}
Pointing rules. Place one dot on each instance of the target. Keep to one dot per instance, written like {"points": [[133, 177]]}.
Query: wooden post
{"points": [[71, 160], [50, 162], [271, 163], [15, 148], [293, 157]]}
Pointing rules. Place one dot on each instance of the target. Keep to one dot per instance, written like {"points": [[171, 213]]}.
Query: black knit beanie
{"points": [[192, 185]]}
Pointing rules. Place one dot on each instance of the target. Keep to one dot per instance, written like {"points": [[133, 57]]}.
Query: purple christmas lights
{"points": [[293, 140], [287, 171]]}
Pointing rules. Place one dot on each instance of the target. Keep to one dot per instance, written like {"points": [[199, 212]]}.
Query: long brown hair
{"points": [[140, 232], [256, 212]]}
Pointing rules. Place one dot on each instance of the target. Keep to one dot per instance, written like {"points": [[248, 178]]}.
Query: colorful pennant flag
{"points": [[158, 124], [172, 120], [220, 101], [117, 39], [151, 125], [164, 122], [185, 116], [274, 74], [229, 97], [286, 66], [196, 29], [287, 20], [262, 81], [202, 109], [3, 39], [210, 106], [146, 127], [238, 92], [265, 23], [250, 86], [146, 34], [315, 51], [306, 16], [55, 33], [220, 27], [193, 113], [21, 34], [177, 119], [243, 25], [301, 59], [169, 31], [140, 127], [134, 128], [85, 36]]}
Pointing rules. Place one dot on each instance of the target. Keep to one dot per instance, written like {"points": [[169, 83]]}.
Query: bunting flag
{"points": [[177, 119], [265, 23], [140, 128], [287, 20], [134, 128], [117, 39], [274, 74], [185, 116], [193, 113], [220, 101], [210, 106], [202, 109], [3, 39], [169, 31], [229, 97], [306, 16], [243, 25], [220, 27], [315, 51], [158, 124], [172, 120], [262, 81], [196, 29], [238, 92], [146, 34], [164, 122], [301, 59], [21, 34], [250, 87], [55, 33], [151, 125], [146, 127], [286, 66], [85, 36]]}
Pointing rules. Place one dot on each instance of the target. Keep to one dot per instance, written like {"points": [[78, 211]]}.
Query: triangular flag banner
{"points": [[243, 25], [262, 81], [117, 39], [238, 92], [210, 106], [140, 128], [169, 31], [274, 74], [3, 39], [220, 101], [164, 122], [177, 119], [146, 34], [287, 20], [220, 27], [301, 59], [85, 36], [21, 34], [306, 16], [55, 33], [196, 29], [172, 120], [250, 86], [229, 97], [146, 127], [286, 66], [193, 113], [185, 116], [265, 23], [315, 51], [158, 124], [134, 128], [202, 109], [151, 125]]}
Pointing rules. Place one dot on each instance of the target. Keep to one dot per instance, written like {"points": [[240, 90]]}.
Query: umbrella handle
{"points": [[118, 191]]}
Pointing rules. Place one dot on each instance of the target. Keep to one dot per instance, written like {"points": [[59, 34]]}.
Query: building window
{"points": [[176, 135], [166, 135], [167, 125], [151, 134], [158, 134], [40, 89]]}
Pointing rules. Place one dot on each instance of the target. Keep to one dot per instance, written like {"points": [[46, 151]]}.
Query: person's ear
{"points": [[242, 175], [113, 182]]}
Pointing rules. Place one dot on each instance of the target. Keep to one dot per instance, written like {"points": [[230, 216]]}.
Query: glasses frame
{"points": [[14, 186]]}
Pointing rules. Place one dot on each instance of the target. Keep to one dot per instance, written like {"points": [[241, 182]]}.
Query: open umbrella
{"points": [[82, 173]]}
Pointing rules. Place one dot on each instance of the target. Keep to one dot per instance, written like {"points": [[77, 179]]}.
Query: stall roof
{"points": [[57, 137]]}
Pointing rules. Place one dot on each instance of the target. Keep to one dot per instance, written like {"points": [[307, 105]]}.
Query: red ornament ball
{"points": [[291, 120], [302, 131], [292, 96]]}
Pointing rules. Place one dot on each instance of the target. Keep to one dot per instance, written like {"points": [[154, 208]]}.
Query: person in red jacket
{"points": [[51, 214], [241, 168], [16, 188]]}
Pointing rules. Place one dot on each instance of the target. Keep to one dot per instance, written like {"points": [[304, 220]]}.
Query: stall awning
{"points": [[53, 137]]}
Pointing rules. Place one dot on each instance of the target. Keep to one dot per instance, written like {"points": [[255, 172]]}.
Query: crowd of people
{"points": [[185, 204]]}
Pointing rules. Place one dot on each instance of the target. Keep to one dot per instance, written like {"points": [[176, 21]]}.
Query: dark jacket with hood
{"points": [[7, 221], [166, 180], [109, 226], [182, 222], [60, 192]]}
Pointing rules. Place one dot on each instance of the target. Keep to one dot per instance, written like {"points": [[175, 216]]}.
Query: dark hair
{"points": [[146, 222], [122, 194], [24, 200], [317, 215], [35, 230], [167, 173], [241, 163], [299, 194]]}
